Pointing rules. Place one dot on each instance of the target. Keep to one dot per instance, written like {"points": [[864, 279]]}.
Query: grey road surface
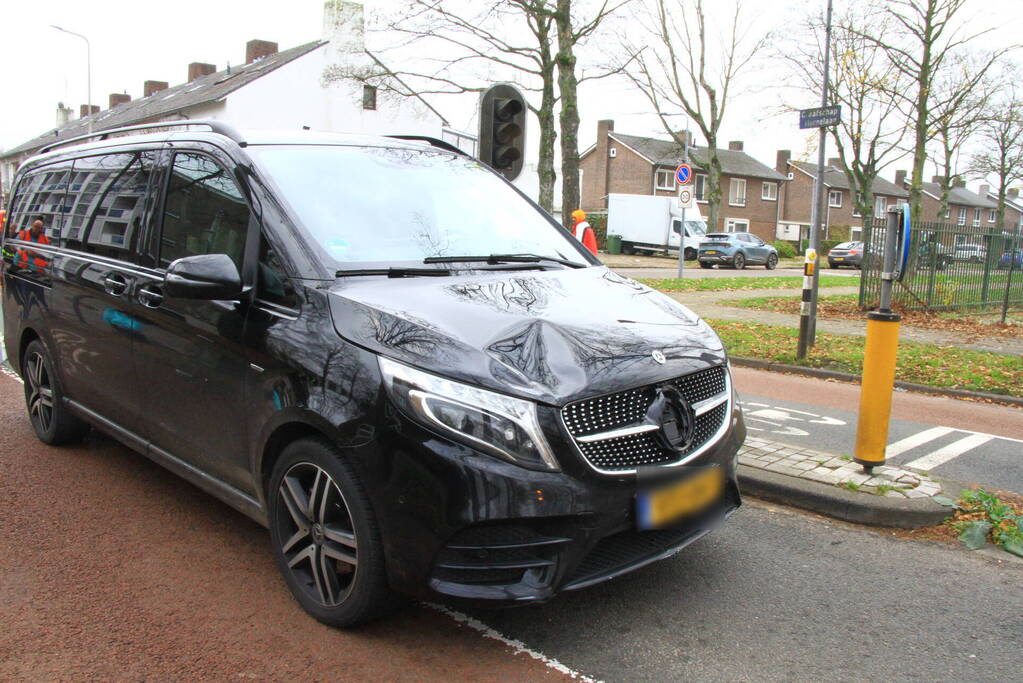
{"points": [[780, 596]]}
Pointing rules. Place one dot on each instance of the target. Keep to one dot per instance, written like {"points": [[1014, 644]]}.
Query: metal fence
{"points": [[951, 268]]}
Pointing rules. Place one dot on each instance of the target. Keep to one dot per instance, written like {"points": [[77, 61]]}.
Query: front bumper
{"points": [[479, 530], [704, 257]]}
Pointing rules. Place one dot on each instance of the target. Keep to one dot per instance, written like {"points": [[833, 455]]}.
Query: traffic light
{"points": [[503, 129]]}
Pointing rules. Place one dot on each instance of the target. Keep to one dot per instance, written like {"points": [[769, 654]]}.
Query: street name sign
{"points": [[819, 117]]}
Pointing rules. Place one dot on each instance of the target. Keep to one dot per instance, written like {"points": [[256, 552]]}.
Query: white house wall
{"points": [[292, 96]]}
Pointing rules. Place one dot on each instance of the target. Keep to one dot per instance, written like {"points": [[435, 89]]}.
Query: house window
{"points": [[992, 216], [665, 180], [880, 206], [835, 199], [737, 224], [700, 185], [976, 217], [948, 212], [369, 97], [855, 234], [737, 192], [769, 191], [962, 216]]}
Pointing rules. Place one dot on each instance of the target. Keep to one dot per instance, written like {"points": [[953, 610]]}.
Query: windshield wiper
{"points": [[395, 272], [495, 259]]}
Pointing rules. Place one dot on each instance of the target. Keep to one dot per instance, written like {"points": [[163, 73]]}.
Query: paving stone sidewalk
{"points": [[707, 305], [825, 468]]}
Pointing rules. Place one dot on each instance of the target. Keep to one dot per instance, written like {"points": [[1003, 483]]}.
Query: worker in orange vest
{"points": [[583, 232], [28, 258]]}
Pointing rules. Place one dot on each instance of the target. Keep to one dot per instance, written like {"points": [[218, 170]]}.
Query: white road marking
{"points": [[918, 439], [517, 645], [953, 450]]}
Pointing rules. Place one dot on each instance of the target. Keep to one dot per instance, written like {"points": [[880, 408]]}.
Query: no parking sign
{"points": [[683, 174]]}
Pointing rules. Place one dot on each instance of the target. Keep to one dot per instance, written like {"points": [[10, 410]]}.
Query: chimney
{"points": [[835, 162], [781, 161], [735, 145], [1013, 192], [83, 110], [117, 98], [150, 87], [937, 179], [900, 178], [958, 182], [199, 69], [602, 174], [63, 114], [257, 49], [984, 189]]}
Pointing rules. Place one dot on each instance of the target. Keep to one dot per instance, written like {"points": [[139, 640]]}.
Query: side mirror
{"points": [[206, 276]]}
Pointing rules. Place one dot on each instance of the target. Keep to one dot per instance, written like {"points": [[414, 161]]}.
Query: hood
{"points": [[552, 336]]}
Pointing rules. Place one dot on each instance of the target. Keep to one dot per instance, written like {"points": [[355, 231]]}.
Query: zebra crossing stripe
{"points": [[953, 450], [918, 439]]}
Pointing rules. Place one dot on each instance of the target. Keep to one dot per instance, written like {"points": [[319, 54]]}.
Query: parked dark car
{"points": [[846, 254], [736, 249], [1004, 260], [378, 348]]}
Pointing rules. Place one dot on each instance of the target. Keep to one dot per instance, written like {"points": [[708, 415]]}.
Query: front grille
{"points": [[628, 409]]}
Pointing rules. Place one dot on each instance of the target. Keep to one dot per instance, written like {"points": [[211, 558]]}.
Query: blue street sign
{"points": [[683, 173], [904, 242], [820, 117]]}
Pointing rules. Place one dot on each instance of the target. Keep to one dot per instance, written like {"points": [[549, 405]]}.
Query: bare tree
{"points": [[686, 73], [458, 46], [924, 35], [1002, 136], [870, 135]]}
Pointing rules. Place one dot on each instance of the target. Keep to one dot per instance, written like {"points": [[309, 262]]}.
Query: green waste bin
{"points": [[614, 244]]}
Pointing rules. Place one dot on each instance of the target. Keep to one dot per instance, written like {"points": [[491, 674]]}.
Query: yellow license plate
{"points": [[710, 251], [839, 258], [660, 507]]}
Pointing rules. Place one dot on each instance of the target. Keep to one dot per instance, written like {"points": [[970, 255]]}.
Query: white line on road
{"points": [[953, 450], [918, 439]]}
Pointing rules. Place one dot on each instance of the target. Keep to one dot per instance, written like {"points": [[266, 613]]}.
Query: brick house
{"points": [[840, 220], [965, 208], [637, 165], [1013, 208]]}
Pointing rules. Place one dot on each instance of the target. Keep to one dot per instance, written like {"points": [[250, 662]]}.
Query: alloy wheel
{"points": [[318, 536], [40, 393]]}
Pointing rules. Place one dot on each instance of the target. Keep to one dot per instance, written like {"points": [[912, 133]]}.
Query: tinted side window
{"points": [[273, 283], [204, 212], [107, 200], [41, 194]]}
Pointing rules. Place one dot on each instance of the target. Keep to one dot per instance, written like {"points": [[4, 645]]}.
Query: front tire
{"points": [[52, 420], [739, 262], [772, 261], [690, 254], [325, 537]]}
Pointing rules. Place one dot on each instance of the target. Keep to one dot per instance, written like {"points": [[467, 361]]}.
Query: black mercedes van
{"points": [[376, 347]]}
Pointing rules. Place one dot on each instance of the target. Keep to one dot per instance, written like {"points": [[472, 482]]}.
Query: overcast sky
{"points": [[139, 40]]}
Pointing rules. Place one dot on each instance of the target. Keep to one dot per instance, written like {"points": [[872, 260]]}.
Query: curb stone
{"points": [[822, 373]]}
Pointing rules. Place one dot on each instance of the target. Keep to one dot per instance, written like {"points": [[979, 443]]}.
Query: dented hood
{"points": [[552, 336]]}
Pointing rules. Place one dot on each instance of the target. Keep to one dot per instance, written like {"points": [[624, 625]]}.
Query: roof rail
{"points": [[435, 142], [220, 127]]}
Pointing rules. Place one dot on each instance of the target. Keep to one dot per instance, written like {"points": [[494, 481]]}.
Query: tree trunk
{"points": [[548, 135], [714, 194], [567, 84], [922, 114]]}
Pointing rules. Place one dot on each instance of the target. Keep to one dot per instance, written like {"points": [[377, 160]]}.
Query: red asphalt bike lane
{"points": [[112, 568], [924, 408]]}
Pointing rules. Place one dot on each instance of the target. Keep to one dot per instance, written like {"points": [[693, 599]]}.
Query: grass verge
{"points": [[846, 306], [936, 366], [717, 284]]}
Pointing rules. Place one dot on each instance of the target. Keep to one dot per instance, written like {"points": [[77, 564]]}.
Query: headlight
{"points": [[499, 425]]}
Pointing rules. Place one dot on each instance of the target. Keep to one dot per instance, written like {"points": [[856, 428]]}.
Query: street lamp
{"points": [[88, 71]]}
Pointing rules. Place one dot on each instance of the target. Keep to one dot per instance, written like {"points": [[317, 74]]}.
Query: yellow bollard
{"points": [[876, 388]]}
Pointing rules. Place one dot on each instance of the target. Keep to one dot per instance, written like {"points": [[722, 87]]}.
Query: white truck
{"points": [[648, 223]]}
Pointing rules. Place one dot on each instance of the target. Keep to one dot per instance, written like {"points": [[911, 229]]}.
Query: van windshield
{"points": [[391, 205]]}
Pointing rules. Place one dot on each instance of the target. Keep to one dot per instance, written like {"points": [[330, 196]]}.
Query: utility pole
{"points": [[682, 234], [808, 317], [88, 72]]}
